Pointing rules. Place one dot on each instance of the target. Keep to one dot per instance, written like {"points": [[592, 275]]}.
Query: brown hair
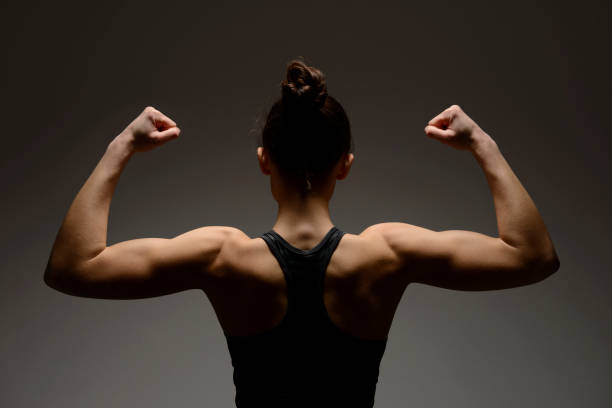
{"points": [[306, 131]]}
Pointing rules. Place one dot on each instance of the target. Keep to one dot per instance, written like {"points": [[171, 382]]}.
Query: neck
{"points": [[303, 216]]}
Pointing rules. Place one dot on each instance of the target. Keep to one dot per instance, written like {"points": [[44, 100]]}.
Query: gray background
{"points": [[535, 77]]}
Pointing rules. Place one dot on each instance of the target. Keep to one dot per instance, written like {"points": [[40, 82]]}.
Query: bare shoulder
{"points": [[207, 244], [416, 246], [413, 249], [412, 242], [390, 235], [241, 253], [367, 252], [233, 239], [209, 239], [403, 243]]}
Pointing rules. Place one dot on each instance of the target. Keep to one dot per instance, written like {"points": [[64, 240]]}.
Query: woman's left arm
{"points": [[81, 264]]}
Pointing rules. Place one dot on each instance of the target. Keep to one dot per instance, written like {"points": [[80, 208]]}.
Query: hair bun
{"points": [[304, 86]]}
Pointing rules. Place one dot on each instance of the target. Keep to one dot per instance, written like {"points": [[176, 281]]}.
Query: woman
{"points": [[305, 308]]}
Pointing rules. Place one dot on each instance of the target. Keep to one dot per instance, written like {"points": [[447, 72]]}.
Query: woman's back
{"points": [[325, 347], [361, 290]]}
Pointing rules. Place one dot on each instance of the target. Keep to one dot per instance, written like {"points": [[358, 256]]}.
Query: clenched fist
{"points": [[454, 128], [150, 129]]}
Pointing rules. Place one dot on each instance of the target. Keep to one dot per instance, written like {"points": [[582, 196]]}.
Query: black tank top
{"points": [[306, 360]]}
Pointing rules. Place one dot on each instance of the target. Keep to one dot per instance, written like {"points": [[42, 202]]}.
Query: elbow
{"points": [[50, 276], [61, 280], [544, 267], [53, 278]]}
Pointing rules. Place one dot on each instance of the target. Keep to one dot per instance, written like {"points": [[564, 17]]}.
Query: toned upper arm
{"points": [[458, 259], [147, 267]]}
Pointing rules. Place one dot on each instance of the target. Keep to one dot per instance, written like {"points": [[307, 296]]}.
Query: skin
{"points": [[366, 275]]}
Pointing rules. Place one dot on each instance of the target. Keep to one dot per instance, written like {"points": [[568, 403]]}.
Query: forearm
{"points": [[83, 232], [518, 220]]}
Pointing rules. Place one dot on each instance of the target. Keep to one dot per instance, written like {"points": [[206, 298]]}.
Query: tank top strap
{"points": [[304, 271]]}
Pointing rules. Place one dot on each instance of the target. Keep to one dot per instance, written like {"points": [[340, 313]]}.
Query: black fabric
{"points": [[306, 360]]}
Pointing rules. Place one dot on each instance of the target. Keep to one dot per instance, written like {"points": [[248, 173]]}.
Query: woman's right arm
{"points": [[465, 260]]}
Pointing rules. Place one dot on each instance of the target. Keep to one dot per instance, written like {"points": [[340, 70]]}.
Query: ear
{"points": [[345, 166], [262, 158]]}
